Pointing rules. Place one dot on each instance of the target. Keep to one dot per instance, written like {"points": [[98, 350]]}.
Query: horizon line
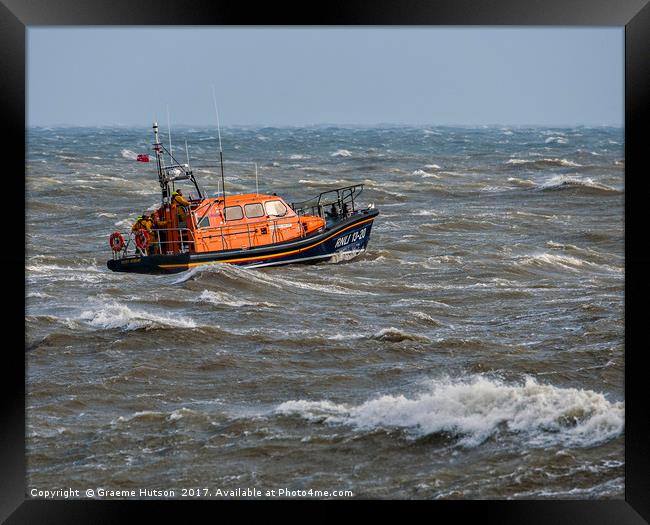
{"points": [[342, 125]]}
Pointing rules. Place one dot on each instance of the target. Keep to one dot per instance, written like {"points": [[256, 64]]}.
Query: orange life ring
{"points": [[116, 241], [142, 239]]}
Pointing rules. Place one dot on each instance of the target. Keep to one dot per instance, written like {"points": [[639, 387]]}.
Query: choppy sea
{"points": [[475, 350]]}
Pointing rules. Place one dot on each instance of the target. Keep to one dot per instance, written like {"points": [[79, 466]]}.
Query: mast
{"points": [[157, 147]]}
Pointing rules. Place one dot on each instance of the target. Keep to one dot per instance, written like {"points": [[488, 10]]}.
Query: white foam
{"points": [[423, 301], [325, 288], [344, 256], [341, 153], [395, 335], [39, 295], [154, 415], [425, 174], [224, 299], [391, 335], [572, 247], [53, 268], [111, 315], [476, 408], [565, 163], [521, 182], [344, 337], [255, 276], [564, 262], [124, 223], [564, 181], [321, 182], [557, 140], [425, 317], [128, 154]]}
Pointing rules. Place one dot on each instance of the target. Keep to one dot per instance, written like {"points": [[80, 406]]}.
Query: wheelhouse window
{"points": [[275, 208], [234, 213], [254, 210], [202, 221]]}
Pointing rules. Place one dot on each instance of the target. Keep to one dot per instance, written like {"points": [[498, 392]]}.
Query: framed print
{"points": [[391, 253]]}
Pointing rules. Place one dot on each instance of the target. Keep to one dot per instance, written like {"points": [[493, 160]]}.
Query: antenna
{"points": [[187, 154], [257, 191], [223, 183], [169, 132]]}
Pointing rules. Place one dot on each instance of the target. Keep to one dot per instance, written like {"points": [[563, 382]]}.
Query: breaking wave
{"points": [[341, 153], [524, 183], [224, 299], [425, 174], [389, 335], [154, 416], [256, 278], [556, 140], [114, 315], [394, 335], [476, 408], [544, 163], [603, 256], [564, 262], [38, 295], [426, 318], [563, 182], [321, 182]]}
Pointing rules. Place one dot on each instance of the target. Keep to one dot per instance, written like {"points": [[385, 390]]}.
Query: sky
{"points": [[524, 76]]}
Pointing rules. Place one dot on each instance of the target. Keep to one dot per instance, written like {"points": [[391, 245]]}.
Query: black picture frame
{"points": [[16, 15]]}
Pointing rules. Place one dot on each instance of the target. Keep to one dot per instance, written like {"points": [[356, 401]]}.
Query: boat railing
{"points": [[160, 241], [337, 203], [166, 241]]}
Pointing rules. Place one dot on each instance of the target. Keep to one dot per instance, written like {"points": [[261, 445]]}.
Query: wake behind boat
{"points": [[251, 229]]}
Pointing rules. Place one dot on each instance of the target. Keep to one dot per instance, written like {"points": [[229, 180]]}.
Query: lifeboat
{"points": [[253, 229]]}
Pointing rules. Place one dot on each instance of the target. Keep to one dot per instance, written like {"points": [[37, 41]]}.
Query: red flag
{"points": [[143, 158]]}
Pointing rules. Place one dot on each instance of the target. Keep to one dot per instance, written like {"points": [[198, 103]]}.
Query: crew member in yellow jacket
{"points": [[182, 204], [144, 222]]}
